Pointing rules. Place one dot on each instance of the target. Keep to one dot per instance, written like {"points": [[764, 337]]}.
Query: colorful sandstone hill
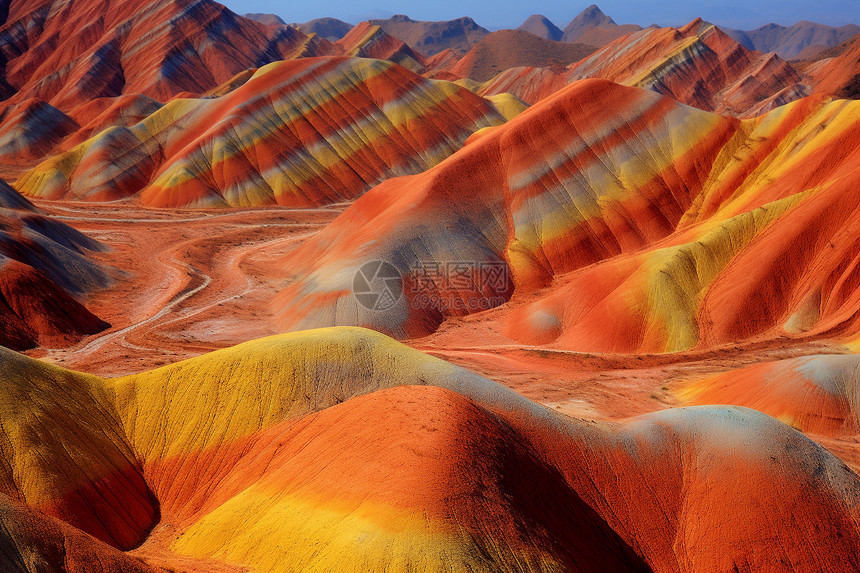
{"points": [[45, 268], [261, 455], [117, 86], [301, 132], [625, 221], [367, 40], [68, 52], [698, 65], [71, 69], [65, 62], [815, 394], [836, 72]]}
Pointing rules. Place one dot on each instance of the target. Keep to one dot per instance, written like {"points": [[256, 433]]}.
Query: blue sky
{"points": [[496, 14]]}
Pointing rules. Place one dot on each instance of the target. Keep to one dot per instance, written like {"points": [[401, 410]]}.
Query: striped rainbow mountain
{"points": [[408, 296]]}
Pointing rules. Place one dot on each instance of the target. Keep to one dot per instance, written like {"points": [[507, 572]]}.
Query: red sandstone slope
{"points": [[262, 454], [816, 394], [43, 266], [697, 65], [302, 132], [33, 130], [625, 221], [530, 84], [68, 52], [66, 62], [596, 170], [837, 73], [33, 541], [368, 40]]}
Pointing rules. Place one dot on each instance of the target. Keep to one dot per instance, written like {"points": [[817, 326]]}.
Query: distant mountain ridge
{"points": [[591, 27], [267, 19], [331, 29], [595, 28], [591, 17], [506, 49], [802, 40], [542, 27], [429, 38]]}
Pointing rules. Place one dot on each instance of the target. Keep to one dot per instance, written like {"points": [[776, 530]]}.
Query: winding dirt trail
{"points": [[186, 282]]}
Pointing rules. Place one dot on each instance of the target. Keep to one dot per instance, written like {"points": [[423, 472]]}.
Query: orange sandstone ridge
{"points": [[45, 271], [698, 65], [268, 459], [638, 224], [303, 132], [72, 69]]}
